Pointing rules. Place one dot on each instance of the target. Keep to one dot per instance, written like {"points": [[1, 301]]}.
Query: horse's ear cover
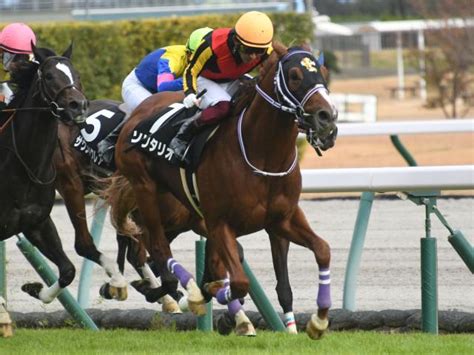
{"points": [[321, 59]]}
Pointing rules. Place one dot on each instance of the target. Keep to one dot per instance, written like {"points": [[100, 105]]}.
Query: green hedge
{"points": [[105, 52]]}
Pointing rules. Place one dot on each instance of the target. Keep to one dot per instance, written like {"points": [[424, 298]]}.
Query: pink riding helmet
{"points": [[17, 38]]}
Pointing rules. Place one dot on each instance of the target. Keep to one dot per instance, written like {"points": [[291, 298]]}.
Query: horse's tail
{"points": [[121, 198]]}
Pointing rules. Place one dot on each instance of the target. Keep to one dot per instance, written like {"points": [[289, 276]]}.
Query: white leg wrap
{"points": [[183, 304], [290, 323], [241, 317], [47, 295], [111, 268], [168, 302], [194, 293], [150, 276]]}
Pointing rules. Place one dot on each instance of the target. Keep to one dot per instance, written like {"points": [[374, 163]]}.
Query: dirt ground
{"points": [[378, 151]]}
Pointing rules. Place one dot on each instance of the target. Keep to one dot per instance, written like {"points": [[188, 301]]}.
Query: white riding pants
{"points": [[133, 91], [216, 92]]}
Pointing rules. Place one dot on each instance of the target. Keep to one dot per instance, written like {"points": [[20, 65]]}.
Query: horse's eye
{"points": [[295, 74], [48, 76]]}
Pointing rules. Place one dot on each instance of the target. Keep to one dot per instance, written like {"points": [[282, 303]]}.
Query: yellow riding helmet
{"points": [[254, 29]]}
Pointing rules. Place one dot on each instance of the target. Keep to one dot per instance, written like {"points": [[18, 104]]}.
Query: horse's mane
{"points": [[22, 77], [247, 91]]}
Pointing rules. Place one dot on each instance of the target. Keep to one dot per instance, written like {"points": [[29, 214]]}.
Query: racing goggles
{"points": [[7, 59], [252, 50]]}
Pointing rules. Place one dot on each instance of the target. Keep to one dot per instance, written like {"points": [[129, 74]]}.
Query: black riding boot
{"points": [[106, 147], [180, 142]]}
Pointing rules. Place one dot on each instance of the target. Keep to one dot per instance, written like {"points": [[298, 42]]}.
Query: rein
{"points": [[292, 105], [54, 108], [47, 97], [31, 175], [255, 169]]}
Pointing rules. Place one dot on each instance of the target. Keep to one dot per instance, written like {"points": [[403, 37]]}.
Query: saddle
{"points": [[153, 135]]}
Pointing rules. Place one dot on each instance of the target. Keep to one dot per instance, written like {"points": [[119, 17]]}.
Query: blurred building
{"points": [[47, 10]]}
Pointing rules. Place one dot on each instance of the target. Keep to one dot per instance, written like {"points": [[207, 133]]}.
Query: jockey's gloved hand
{"points": [[191, 100]]}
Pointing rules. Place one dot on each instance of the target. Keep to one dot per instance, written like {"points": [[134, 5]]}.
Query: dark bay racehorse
{"points": [[48, 90], [77, 176], [248, 178]]}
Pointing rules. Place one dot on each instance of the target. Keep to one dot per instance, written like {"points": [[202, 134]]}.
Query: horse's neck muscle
{"points": [[35, 138], [269, 136]]}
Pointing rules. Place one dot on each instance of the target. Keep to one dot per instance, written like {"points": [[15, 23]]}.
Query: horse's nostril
{"points": [[324, 115], [73, 105]]}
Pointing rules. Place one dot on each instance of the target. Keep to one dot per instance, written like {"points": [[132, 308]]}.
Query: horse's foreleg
{"points": [[159, 248], [169, 303], [280, 248], [224, 245], [298, 231], [72, 190], [215, 279], [46, 239], [6, 329]]}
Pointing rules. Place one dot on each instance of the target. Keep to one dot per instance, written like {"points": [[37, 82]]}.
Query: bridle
{"points": [[51, 100], [47, 96], [286, 102]]}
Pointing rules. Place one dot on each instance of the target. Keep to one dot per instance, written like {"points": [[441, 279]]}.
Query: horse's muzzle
{"points": [[323, 131], [78, 110]]}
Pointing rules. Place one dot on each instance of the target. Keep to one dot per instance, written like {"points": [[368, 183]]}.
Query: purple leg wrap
{"points": [[233, 307], [179, 271], [223, 296], [324, 291]]}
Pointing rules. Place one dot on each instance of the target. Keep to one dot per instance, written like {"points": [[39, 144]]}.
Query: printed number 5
{"points": [[95, 123]]}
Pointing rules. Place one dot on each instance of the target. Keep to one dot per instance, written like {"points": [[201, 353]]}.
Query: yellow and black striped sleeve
{"points": [[195, 66]]}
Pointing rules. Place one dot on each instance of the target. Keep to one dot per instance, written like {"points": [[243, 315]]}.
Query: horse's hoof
{"points": [[292, 329], [197, 308], [244, 326], [225, 324], [104, 291], [245, 329], [196, 301], [169, 305], [33, 289], [6, 330], [316, 327], [118, 293], [213, 287]]}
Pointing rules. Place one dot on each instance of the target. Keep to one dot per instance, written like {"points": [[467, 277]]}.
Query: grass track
{"points": [[78, 341]]}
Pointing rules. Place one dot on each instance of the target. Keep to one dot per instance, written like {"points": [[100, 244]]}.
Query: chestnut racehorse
{"points": [[248, 178]]}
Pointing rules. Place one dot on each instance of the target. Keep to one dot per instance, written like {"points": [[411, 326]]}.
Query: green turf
{"points": [[70, 341]]}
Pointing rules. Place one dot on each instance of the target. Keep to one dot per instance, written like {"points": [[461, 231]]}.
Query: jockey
{"points": [[161, 70], [225, 55], [15, 49]]}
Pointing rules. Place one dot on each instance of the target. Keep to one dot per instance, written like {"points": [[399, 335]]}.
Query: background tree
{"points": [[450, 54]]}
